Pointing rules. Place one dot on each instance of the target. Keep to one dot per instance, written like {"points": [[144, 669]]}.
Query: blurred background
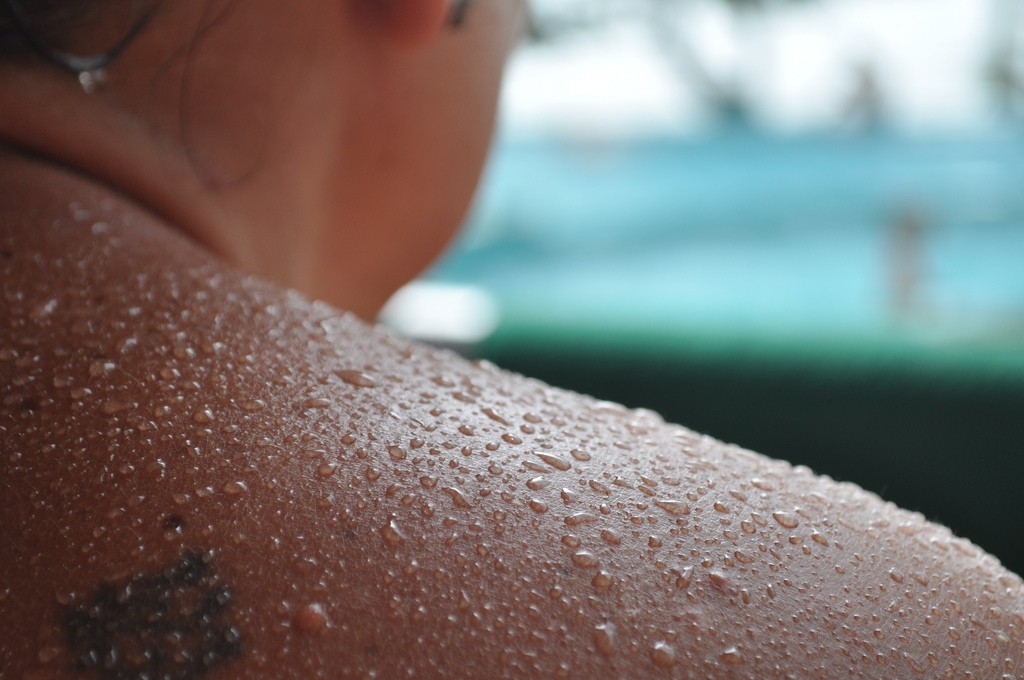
{"points": [[795, 225]]}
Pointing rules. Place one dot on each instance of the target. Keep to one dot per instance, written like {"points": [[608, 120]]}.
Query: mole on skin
{"points": [[173, 624]]}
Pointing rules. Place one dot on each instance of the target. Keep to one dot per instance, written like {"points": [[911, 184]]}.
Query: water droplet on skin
{"points": [[509, 438], [720, 581], [585, 559], [604, 639], [611, 537], [316, 402], [234, 488], [310, 618], [391, 534], [253, 405], [677, 508], [602, 580], [580, 455], [537, 483], [571, 541], [786, 520], [554, 461], [599, 487], [684, 578], [722, 508], [742, 557], [538, 506], [170, 373], [458, 498], [356, 378], [203, 416], [100, 368], [819, 539], [396, 453], [580, 518], [663, 655], [325, 470], [732, 657], [493, 415]]}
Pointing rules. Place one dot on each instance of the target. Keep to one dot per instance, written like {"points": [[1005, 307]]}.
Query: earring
{"points": [[458, 16]]}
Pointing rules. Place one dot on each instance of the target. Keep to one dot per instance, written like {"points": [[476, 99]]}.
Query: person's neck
{"points": [[126, 157], [49, 121], [43, 190], [267, 210], [36, 184]]}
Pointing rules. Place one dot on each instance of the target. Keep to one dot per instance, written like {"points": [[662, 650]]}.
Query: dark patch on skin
{"points": [[6, 254], [173, 624], [29, 404], [173, 523]]}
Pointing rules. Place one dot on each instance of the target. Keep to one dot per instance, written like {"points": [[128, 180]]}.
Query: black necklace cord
{"points": [[73, 63], [458, 15], [82, 64]]}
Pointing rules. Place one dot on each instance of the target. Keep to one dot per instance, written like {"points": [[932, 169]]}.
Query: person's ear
{"points": [[410, 23]]}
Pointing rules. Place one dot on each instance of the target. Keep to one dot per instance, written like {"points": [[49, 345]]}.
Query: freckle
{"points": [[310, 618]]}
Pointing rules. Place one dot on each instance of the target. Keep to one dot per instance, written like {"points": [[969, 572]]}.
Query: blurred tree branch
{"points": [[725, 93], [1004, 70]]}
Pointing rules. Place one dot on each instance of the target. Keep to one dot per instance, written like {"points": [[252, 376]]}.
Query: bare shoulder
{"points": [[203, 475]]}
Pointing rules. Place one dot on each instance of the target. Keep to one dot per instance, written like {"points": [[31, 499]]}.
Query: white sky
{"points": [[796, 66]]}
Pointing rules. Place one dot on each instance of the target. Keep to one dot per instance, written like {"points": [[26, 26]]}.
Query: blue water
{"points": [[755, 233]]}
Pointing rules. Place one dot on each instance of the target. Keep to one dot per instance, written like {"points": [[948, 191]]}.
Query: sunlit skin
{"points": [[203, 474]]}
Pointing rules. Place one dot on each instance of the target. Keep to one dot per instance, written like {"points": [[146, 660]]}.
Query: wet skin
{"points": [[204, 475]]}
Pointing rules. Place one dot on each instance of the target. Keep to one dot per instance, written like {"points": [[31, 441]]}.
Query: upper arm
{"points": [[201, 473]]}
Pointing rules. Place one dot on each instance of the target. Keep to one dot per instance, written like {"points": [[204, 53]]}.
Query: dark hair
{"points": [[77, 35]]}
